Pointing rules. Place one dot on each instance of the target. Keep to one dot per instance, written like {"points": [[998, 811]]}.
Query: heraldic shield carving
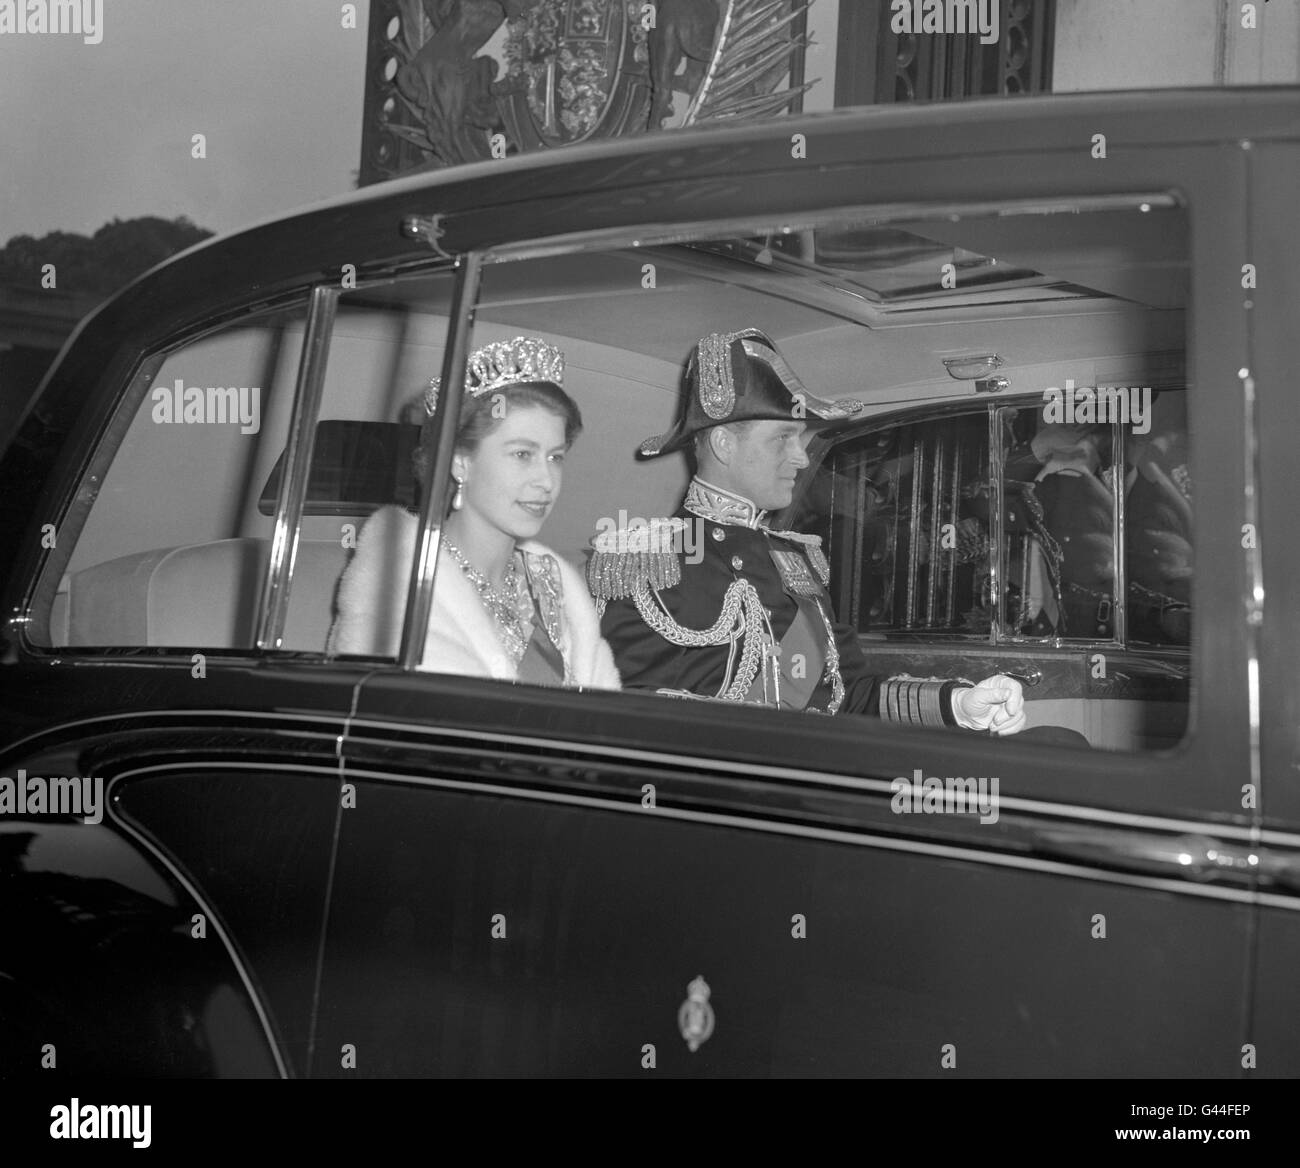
{"points": [[477, 79], [576, 69]]}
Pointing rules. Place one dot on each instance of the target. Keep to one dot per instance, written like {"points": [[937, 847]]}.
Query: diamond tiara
{"points": [[503, 363]]}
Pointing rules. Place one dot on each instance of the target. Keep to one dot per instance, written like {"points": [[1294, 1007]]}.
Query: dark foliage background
{"points": [[101, 263]]}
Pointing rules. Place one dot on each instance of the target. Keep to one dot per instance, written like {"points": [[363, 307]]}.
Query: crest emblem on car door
{"points": [[695, 1018]]}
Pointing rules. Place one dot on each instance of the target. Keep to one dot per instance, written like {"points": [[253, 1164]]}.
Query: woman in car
{"points": [[504, 605]]}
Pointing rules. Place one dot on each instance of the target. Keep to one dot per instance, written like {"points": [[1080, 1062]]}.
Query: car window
{"points": [[386, 345], [1010, 491], [907, 511], [173, 549], [1012, 496]]}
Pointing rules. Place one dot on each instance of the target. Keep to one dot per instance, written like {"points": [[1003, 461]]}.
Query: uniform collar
{"points": [[712, 502]]}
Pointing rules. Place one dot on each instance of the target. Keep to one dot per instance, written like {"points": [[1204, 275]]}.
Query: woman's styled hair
{"points": [[479, 417]]}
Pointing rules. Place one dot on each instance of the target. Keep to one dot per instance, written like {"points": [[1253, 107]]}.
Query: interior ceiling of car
{"points": [[845, 303]]}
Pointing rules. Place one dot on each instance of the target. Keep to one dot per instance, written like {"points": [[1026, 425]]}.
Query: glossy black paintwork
{"points": [[471, 800], [100, 959], [608, 916], [98, 962], [259, 844]]}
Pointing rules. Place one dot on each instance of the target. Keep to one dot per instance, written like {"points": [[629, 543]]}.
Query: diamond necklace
{"points": [[501, 606]]}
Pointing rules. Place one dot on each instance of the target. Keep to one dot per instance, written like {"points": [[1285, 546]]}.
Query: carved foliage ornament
{"points": [[578, 69]]}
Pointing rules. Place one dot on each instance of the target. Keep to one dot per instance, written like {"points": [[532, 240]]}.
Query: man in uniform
{"points": [[751, 620]]}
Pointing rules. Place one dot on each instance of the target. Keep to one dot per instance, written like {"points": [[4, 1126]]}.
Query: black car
{"points": [[1066, 319]]}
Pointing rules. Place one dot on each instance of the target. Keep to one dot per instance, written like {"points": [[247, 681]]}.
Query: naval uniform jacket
{"points": [[729, 609]]}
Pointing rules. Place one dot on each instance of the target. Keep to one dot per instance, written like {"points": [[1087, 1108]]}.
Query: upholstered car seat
{"points": [[202, 596]]}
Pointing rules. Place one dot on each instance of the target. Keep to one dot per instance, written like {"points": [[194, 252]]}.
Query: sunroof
{"points": [[888, 266]]}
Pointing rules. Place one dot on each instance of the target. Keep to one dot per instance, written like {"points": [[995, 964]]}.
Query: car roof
{"points": [[1202, 114], [706, 170]]}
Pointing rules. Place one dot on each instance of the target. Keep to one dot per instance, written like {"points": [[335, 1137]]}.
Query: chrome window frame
{"points": [[273, 605], [277, 586], [436, 488]]}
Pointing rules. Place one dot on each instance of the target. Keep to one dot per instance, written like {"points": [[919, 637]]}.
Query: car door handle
{"points": [[1191, 857]]}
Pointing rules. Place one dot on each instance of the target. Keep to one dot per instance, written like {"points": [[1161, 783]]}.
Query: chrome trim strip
{"points": [[954, 517], [739, 769], [214, 918], [274, 601], [851, 598], [885, 843], [435, 494], [745, 770], [340, 771], [938, 455], [997, 526], [1254, 599], [1271, 837], [662, 234], [1118, 544], [914, 528]]}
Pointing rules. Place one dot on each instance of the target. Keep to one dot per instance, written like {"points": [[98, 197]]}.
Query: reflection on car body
{"points": [[305, 848]]}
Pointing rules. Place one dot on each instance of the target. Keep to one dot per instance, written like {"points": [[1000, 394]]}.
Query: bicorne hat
{"points": [[741, 377]]}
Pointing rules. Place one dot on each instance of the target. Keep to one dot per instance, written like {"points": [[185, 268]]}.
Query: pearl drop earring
{"points": [[458, 499]]}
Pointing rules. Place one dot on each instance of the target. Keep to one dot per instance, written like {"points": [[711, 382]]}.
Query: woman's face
{"points": [[513, 479]]}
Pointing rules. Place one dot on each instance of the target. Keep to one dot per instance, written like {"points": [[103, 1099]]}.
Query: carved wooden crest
{"points": [[577, 69], [464, 80]]}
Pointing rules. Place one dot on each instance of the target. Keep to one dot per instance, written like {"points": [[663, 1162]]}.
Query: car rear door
{"points": [[543, 882]]}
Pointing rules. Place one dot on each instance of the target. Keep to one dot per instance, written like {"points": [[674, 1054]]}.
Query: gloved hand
{"points": [[997, 703]]}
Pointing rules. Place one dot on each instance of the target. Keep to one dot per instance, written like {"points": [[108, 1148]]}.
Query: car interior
{"points": [[959, 516]]}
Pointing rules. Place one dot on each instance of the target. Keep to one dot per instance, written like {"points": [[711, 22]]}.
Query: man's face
{"points": [[767, 455]]}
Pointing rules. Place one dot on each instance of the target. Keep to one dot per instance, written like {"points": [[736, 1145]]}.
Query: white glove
{"points": [[997, 704]]}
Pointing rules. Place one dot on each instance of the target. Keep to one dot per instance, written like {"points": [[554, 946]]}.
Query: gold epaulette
{"points": [[812, 546], [629, 558], [797, 536]]}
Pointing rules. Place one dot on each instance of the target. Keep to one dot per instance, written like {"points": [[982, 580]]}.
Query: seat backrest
{"points": [[204, 596]]}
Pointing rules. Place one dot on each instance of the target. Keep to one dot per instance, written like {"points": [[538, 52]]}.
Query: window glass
{"points": [[360, 512], [1158, 525], [911, 500], [971, 522], [1058, 550], [173, 551], [912, 506]]}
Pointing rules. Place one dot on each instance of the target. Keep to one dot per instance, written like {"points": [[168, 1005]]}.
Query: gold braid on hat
{"points": [[505, 363], [713, 374]]}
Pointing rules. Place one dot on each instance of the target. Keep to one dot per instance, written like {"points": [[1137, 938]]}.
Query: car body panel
{"points": [[100, 973], [814, 951], [351, 829]]}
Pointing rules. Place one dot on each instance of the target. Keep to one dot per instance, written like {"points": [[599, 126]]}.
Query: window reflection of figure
{"points": [[1059, 492], [750, 620], [504, 605], [1159, 520], [1062, 482]]}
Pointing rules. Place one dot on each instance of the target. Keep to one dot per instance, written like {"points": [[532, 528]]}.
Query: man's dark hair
{"points": [[700, 442]]}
